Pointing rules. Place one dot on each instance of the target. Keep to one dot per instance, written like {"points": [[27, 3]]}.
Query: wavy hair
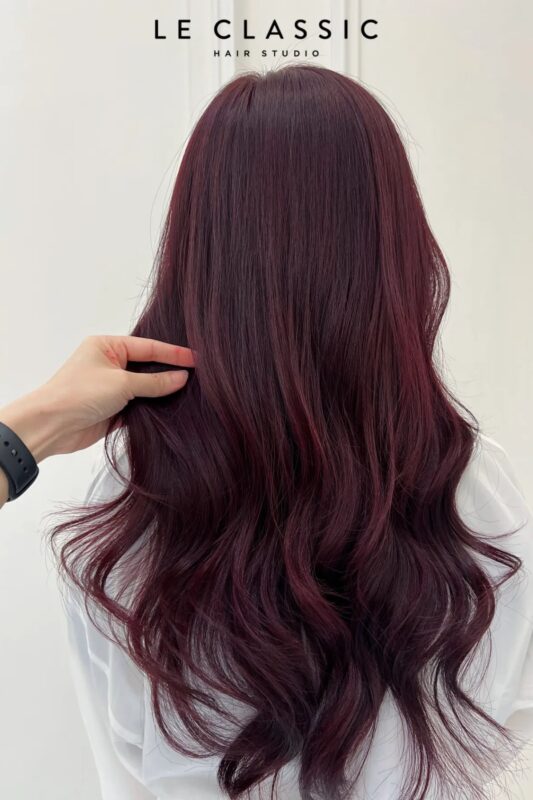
{"points": [[292, 510]]}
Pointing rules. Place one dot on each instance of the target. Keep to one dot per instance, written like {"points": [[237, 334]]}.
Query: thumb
{"points": [[157, 384]]}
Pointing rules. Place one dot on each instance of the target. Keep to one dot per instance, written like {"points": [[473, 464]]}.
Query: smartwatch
{"points": [[17, 462]]}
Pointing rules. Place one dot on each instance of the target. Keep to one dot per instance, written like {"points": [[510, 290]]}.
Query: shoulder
{"points": [[106, 479], [489, 492], [491, 502]]}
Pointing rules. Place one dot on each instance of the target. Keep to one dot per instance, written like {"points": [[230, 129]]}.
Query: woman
{"points": [[295, 567]]}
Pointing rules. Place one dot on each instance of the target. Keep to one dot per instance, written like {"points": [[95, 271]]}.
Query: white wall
{"points": [[94, 116]]}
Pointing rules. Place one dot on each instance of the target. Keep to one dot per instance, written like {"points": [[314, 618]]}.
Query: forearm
{"points": [[34, 421], [3, 488]]}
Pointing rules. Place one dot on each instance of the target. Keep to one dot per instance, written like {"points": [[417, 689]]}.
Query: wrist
{"points": [[36, 420]]}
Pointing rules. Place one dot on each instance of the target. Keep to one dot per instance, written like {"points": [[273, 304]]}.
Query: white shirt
{"points": [[135, 763]]}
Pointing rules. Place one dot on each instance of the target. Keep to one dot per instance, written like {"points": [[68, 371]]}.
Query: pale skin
{"points": [[71, 410]]}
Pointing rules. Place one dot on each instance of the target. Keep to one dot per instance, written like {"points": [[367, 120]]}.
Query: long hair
{"points": [[298, 548]]}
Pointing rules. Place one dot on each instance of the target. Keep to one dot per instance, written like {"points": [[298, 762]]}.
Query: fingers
{"points": [[156, 384], [140, 349]]}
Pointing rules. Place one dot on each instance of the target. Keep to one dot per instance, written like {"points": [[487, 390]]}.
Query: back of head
{"points": [[305, 553]]}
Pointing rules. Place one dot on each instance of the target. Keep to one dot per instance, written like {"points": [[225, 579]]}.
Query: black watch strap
{"points": [[17, 462]]}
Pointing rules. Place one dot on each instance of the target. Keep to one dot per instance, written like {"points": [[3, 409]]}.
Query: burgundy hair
{"points": [[293, 506]]}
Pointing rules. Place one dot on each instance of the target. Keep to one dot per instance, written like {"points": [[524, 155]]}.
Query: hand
{"points": [[71, 410]]}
